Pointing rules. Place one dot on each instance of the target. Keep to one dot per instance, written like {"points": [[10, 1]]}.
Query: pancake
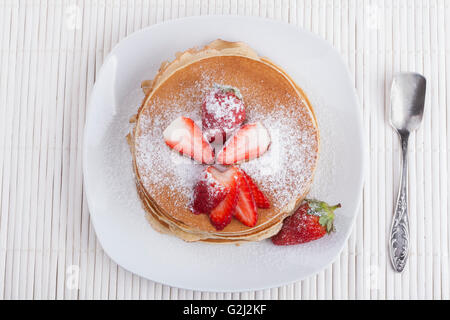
{"points": [[165, 179]]}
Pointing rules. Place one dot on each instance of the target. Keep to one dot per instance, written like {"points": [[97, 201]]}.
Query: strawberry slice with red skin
{"points": [[246, 211], [184, 136], [208, 192], [311, 221], [223, 111], [260, 199], [249, 142], [221, 215]]}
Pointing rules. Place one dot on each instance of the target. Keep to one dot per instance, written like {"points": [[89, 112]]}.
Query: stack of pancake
{"points": [[165, 179]]}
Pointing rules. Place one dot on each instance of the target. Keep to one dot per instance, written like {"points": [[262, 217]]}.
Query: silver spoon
{"points": [[407, 104]]}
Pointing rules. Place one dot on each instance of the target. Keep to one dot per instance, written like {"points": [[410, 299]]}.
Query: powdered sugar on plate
{"points": [[330, 140]]}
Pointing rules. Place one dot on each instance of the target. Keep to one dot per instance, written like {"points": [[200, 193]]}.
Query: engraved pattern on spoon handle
{"points": [[399, 238]]}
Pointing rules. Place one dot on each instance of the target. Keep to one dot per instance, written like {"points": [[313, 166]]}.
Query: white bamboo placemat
{"points": [[50, 52]]}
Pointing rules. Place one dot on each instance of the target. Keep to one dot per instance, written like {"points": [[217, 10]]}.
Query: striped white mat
{"points": [[50, 52]]}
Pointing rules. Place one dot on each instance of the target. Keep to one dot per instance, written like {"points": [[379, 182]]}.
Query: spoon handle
{"points": [[399, 238]]}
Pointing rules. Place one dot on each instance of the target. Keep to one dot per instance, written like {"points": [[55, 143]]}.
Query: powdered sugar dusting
{"points": [[121, 189], [206, 192], [222, 110], [158, 164], [285, 169], [225, 108], [282, 172]]}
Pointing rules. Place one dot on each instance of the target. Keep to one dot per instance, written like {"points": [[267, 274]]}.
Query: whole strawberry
{"points": [[223, 111], [312, 220]]}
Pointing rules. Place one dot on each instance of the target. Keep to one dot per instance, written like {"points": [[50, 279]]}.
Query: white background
{"points": [[50, 52]]}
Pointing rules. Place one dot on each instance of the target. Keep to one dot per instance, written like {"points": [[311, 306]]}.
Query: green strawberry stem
{"points": [[335, 207], [324, 211], [227, 88]]}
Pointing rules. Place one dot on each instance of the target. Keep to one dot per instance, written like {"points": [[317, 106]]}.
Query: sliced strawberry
{"points": [[226, 178], [184, 136], [222, 112], [246, 206], [249, 142], [260, 199], [221, 215], [208, 192]]}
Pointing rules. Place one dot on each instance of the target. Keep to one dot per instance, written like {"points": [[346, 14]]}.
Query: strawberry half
{"points": [[221, 215], [260, 199], [246, 206], [312, 220], [184, 136], [249, 142], [222, 112], [208, 192]]}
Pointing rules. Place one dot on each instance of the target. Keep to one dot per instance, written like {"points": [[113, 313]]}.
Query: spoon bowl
{"points": [[407, 101]]}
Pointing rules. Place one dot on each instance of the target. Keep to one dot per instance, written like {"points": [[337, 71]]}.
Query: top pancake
{"points": [[284, 173]]}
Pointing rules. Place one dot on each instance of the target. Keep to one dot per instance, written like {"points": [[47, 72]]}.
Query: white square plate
{"points": [[115, 209]]}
